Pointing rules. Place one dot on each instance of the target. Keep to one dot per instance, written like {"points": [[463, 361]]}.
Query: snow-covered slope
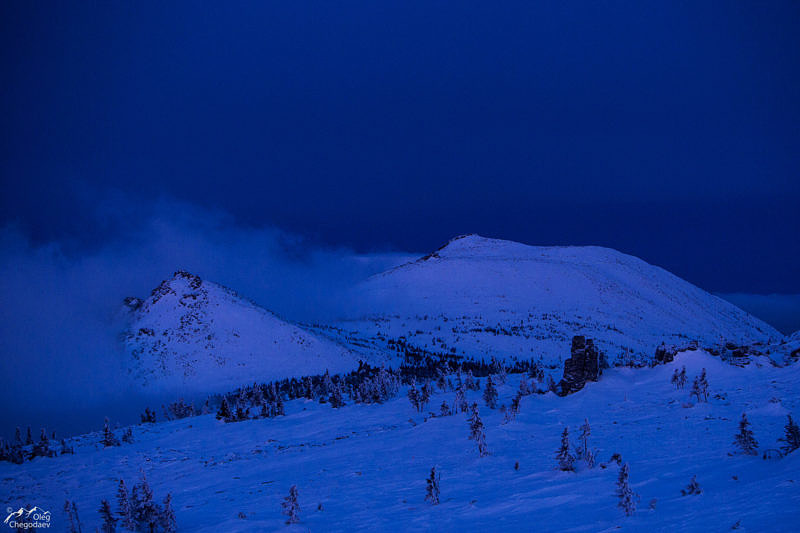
{"points": [[197, 336], [363, 467], [486, 297]]}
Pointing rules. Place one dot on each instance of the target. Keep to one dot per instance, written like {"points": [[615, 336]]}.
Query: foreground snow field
{"points": [[363, 467]]}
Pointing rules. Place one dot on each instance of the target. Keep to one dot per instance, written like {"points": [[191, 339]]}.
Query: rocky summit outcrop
{"points": [[585, 364]]}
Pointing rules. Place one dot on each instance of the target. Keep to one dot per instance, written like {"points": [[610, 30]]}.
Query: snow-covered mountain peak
{"points": [[195, 335], [483, 298]]}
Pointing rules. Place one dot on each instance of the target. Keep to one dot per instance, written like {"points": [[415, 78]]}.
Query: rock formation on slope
{"points": [[584, 364]]}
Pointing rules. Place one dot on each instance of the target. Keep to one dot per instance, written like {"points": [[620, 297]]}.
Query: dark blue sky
{"points": [[670, 130]]}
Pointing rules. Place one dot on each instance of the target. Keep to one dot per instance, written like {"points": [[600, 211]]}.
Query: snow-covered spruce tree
{"points": [[42, 448], [432, 487], [627, 498], [745, 438], [700, 387], [566, 461], [167, 517], [444, 410], [693, 488], [502, 374], [109, 524], [584, 452], [127, 436], [327, 384], [124, 510], [425, 393], [65, 448], [441, 381], [791, 438], [71, 510], [551, 384], [476, 432], [414, 396], [149, 416], [336, 397], [145, 510], [460, 404], [469, 381], [524, 387], [29, 438], [280, 409], [291, 508], [490, 394], [109, 439], [224, 412]]}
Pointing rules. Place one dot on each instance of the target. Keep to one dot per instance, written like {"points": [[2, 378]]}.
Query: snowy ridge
{"points": [[484, 297], [197, 336]]}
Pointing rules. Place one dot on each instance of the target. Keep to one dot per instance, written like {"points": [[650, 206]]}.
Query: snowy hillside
{"points": [[483, 297], [193, 335], [363, 467]]}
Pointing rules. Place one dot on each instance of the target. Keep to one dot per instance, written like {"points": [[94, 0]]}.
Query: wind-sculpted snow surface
{"points": [[196, 336], [484, 297], [363, 467]]}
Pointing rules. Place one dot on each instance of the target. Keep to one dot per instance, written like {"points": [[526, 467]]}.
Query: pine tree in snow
{"points": [[127, 436], [490, 394], [71, 510], [566, 461], [441, 381], [224, 412], [469, 381], [414, 396], [476, 431], [109, 522], [124, 507], [745, 438], [524, 387], [336, 396], [444, 410], [551, 384], [460, 405], [432, 487], [584, 452], [279, 407], [627, 498], [291, 508], [502, 374], [109, 439], [167, 516], [29, 438], [700, 387], [327, 384], [791, 438], [149, 416], [145, 510], [65, 449], [692, 488], [425, 393], [675, 377]]}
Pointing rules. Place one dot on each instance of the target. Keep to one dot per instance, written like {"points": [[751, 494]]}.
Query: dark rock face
{"points": [[585, 364]]}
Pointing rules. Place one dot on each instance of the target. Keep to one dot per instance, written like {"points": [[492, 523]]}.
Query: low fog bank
{"points": [[61, 305]]}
